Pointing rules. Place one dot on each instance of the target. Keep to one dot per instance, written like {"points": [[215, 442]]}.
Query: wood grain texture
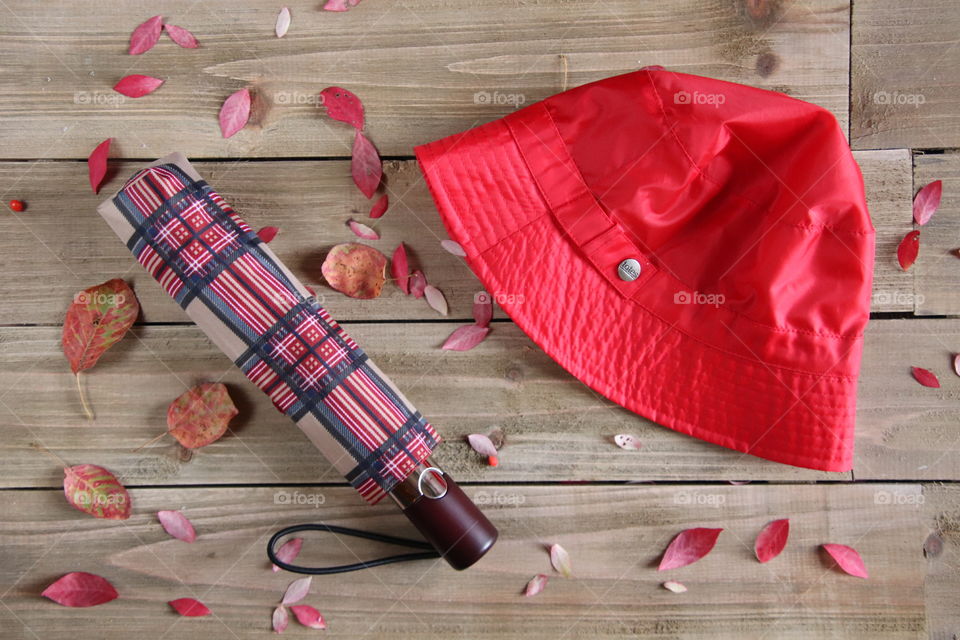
{"points": [[615, 536], [424, 68], [941, 513], [905, 74], [60, 245], [937, 268]]}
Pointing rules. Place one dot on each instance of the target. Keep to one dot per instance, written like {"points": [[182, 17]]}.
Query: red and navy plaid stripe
{"points": [[198, 249]]}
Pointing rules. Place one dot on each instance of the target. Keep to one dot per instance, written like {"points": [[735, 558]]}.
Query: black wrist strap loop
{"points": [[429, 551]]}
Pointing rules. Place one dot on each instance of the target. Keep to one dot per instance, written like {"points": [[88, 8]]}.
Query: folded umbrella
{"points": [[252, 307]]}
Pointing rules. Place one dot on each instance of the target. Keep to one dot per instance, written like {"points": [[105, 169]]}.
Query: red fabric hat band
{"points": [[744, 325]]}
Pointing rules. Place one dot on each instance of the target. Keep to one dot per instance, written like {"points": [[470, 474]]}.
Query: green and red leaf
{"points": [[97, 319], [200, 415], [96, 491]]}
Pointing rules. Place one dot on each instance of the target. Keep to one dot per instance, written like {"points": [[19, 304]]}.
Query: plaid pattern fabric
{"points": [[216, 268]]}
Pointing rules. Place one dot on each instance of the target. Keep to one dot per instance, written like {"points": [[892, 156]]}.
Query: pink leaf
{"points": [[956, 364], [380, 206], [80, 589], [308, 616], [177, 525], [772, 539], [689, 546], [137, 86], [908, 249], [560, 560], [340, 5], [436, 300], [400, 269], [362, 231], [676, 587], [925, 377], [288, 551], [343, 105], [848, 559], [97, 164], [365, 165], [482, 444], [536, 585], [927, 201], [453, 247], [283, 22], [189, 607], [627, 441], [280, 619], [465, 338], [267, 234], [181, 36], [235, 112], [297, 590], [482, 308], [145, 36], [418, 282]]}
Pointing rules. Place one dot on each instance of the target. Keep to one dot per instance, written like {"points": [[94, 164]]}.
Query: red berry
{"points": [[493, 461], [17, 205]]}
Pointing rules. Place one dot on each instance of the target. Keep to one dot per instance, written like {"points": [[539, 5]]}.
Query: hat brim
{"points": [[628, 351]]}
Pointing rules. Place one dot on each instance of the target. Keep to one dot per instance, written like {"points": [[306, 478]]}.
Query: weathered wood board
{"points": [[937, 268], [905, 74], [941, 511], [424, 68], [60, 245], [615, 536]]}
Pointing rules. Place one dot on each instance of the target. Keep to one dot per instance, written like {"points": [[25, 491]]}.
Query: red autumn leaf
{"points": [[436, 299], [772, 539], [80, 589], [418, 282], [181, 36], [308, 616], [362, 231], [627, 441], [177, 525], [925, 377], [400, 269], [288, 551], [908, 249], [356, 270], [927, 201], [283, 22], [536, 585], [482, 308], [365, 165], [96, 320], [267, 234], [97, 164], [689, 546], [380, 206], [465, 338], [560, 560], [200, 415], [482, 444], [297, 590], [96, 491], [189, 607], [137, 86], [452, 247], [235, 112], [280, 619], [848, 559], [343, 105], [145, 36]]}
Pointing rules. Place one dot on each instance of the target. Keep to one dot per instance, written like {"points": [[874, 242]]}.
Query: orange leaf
{"points": [[97, 319], [200, 415], [96, 491]]}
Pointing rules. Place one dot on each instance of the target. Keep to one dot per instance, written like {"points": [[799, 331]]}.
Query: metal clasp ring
{"points": [[434, 479]]}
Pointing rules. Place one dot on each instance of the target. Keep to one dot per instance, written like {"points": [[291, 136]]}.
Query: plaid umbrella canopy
{"points": [[262, 317]]}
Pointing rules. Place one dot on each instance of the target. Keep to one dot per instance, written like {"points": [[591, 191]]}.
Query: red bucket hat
{"points": [[697, 251]]}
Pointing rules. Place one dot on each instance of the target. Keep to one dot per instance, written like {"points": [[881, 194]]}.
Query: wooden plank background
{"points": [[426, 69]]}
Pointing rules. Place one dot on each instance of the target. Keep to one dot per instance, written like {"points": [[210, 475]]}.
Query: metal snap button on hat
{"points": [[629, 269]]}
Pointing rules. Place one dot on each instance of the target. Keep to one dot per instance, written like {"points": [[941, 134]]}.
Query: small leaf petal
{"points": [[925, 377], [465, 338], [283, 22], [177, 525], [189, 607], [848, 559], [362, 231], [267, 234], [908, 250], [380, 206], [956, 364], [137, 86], [435, 299], [627, 441], [80, 589], [482, 444], [418, 283], [235, 112], [145, 36], [181, 36], [772, 539], [927, 201], [689, 546], [343, 105], [676, 587], [308, 616], [288, 551], [560, 560], [400, 269], [297, 590], [365, 165], [453, 247], [97, 164], [536, 585], [280, 619]]}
